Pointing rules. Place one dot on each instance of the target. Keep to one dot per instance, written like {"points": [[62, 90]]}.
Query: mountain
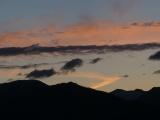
{"points": [[128, 95], [72, 101]]}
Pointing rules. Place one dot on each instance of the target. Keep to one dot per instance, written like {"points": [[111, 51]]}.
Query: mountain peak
{"points": [[22, 86]]}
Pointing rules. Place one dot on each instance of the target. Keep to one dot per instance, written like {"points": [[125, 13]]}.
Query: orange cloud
{"points": [[94, 33], [41, 36], [9, 73], [103, 33], [106, 81], [103, 80]]}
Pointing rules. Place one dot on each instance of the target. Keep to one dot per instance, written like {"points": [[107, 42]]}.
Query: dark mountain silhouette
{"points": [[72, 101], [152, 96], [128, 95]]}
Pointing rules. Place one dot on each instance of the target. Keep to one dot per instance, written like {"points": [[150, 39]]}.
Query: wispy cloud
{"points": [[12, 73], [100, 32], [146, 24], [106, 81], [11, 51], [102, 80]]}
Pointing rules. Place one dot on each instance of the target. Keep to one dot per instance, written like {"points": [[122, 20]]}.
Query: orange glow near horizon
{"points": [[103, 80], [97, 33]]}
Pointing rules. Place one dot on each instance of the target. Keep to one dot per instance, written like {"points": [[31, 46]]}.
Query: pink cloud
{"points": [[94, 33]]}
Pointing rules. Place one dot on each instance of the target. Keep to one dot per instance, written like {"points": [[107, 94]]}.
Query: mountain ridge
{"points": [[74, 101]]}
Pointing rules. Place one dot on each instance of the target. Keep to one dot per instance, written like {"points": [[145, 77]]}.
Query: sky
{"points": [[82, 22], [128, 70], [71, 11], [62, 23]]}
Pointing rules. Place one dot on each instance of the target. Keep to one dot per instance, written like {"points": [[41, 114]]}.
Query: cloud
{"points": [[93, 61], [11, 73], [23, 66], [11, 51], [125, 76], [155, 56], [71, 65], [102, 80], [157, 72], [105, 82], [146, 24], [99, 32], [41, 73], [23, 38]]}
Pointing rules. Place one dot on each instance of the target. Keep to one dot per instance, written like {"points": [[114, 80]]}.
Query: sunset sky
{"points": [[57, 22], [83, 22]]}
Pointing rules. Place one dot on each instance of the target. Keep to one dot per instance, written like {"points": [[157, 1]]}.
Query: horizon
{"points": [[129, 29]]}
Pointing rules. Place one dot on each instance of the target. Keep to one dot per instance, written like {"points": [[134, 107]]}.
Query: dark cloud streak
{"points": [[41, 73], [12, 51], [157, 72], [146, 24], [155, 56], [94, 61], [72, 65], [23, 66]]}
